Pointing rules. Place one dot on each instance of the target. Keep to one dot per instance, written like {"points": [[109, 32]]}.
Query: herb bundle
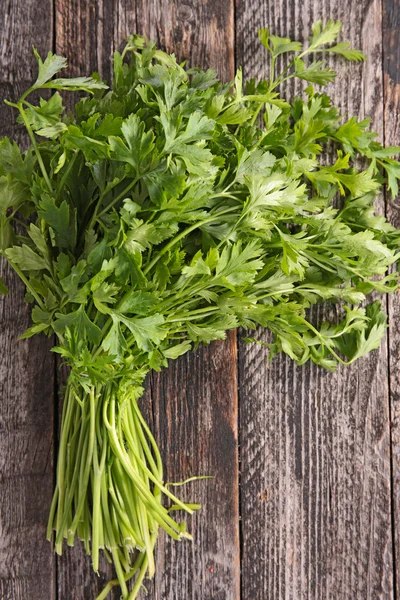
{"points": [[162, 213]]}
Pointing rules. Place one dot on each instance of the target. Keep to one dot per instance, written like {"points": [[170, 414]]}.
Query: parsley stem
{"points": [[272, 70], [282, 79], [98, 471], [256, 113], [65, 506], [195, 314], [84, 480], [159, 512], [140, 561], [142, 573], [141, 423], [35, 146], [61, 463], [67, 172], [142, 465], [113, 202], [26, 282], [183, 234], [120, 574], [324, 343]]}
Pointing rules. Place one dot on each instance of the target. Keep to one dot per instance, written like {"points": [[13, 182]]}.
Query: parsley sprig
{"points": [[158, 215]]}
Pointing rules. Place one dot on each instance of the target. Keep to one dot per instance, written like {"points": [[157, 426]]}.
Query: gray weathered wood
{"points": [[315, 465], [195, 421], [391, 97], [27, 565], [193, 406]]}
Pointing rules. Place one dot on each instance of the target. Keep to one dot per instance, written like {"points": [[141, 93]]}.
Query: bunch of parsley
{"points": [[162, 213]]}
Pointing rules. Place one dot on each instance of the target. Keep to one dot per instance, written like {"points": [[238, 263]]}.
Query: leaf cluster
{"points": [[166, 211]]}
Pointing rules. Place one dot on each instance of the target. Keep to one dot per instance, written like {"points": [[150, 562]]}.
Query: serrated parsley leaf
{"points": [[115, 343], [316, 72], [392, 169], [52, 131], [146, 331], [61, 219], [214, 331], [46, 114], [138, 303], [322, 35], [280, 45], [197, 128], [12, 195], [14, 163], [26, 258], [139, 143], [81, 322], [47, 69], [239, 264], [176, 350], [76, 84], [344, 49], [363, 339], [254, 162]]}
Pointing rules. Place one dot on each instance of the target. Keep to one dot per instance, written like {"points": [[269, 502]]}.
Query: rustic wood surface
{"points": [[315, 447], [391, 105], [314, 510], [27, 567]]}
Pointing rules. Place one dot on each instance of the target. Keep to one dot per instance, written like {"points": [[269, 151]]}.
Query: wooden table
{"points": [[306, 497]]}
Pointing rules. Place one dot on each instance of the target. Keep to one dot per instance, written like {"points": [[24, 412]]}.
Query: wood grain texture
{"points": [[193, 406], [315, 463], [27, 565], [196, 422], [391, 97], [84, 34]]}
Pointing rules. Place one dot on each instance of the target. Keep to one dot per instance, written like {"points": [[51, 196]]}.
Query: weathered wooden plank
{"points": [[391, 95], [195, 420], [27, 565], [84, 33], [315, 465], [193, 405]]}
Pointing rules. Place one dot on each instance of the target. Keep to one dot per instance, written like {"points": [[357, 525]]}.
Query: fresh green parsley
{"points": [[163, 212]]}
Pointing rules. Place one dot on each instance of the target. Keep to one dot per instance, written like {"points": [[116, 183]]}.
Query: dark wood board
{"points": [[27, 564], [314, 447], [391, 99]]}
